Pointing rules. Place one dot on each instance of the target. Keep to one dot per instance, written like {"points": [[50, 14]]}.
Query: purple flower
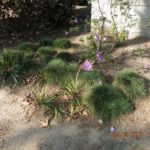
{"points": [[99, 56], [87, 65]]}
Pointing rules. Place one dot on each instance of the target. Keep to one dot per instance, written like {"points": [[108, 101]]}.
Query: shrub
{"points": [[11, 65], [130, 83], [61, 43], [45, 42], [46, 53], [29, 47], [106, 102], [55, 72], [65, 56]]}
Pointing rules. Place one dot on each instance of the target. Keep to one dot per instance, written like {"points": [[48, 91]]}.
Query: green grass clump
{"points": [[46, 53], [92, 77], [45, 42], [29, 62], [66, 56], [72, 68], [85, 55], [58, 43], [9, 54], [29, 47], [106, 102], [61, 43], [130, 83], [50, 105], [55, 72], [11, 65]]}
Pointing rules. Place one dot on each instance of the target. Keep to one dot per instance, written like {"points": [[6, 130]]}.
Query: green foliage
{"points": [[65, 56], [106, 102], [91, 50], [28, 47], [61, 43], [74, 29], [9, 54], [86, 55], [139, 52], [130, 83], [14, 64], [58, 43], [46, 42], [29, 62], [50, 105], [73, 90], [92, 77], [122, 36], [10, 65], [55, 72], [72, 68], [92, 46], [46, 53]]}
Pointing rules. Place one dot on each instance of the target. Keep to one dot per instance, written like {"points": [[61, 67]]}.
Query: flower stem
{"points": [[78, 72]]}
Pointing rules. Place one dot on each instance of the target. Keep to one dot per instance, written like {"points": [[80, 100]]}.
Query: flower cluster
{"points": [[99, 56], [87, 65]]}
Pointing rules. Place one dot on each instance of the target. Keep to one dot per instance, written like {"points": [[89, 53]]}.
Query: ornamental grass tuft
{"points": [[45, 42], [29, 62], [28, 47], [46, 53], [61, 43], [55, 72], [11, 65], [92, 77], [65, 56], [130, 83], [106, 102]]}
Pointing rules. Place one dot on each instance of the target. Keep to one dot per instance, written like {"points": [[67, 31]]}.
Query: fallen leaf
{"points": [[44, 124]]}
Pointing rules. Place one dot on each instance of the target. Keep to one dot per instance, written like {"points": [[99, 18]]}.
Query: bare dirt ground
{"points": [[17, 132]]}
